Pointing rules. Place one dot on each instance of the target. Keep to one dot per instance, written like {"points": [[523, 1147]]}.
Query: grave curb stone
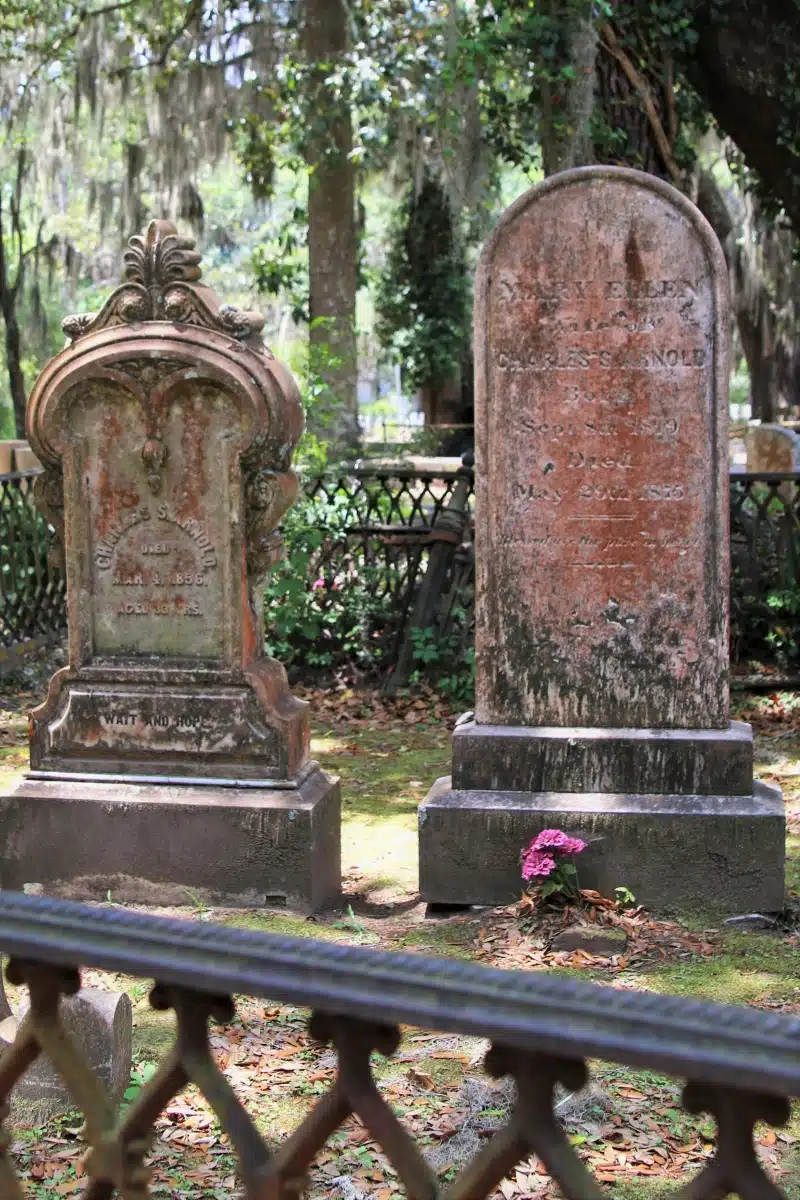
{"points": [[600, 940]]}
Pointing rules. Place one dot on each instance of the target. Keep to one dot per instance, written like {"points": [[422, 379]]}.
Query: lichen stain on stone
{"points": [[633, 259]]}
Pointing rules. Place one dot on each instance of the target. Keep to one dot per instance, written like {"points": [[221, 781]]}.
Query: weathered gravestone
{"points": [[101, 1024], [601, 333], [170, 759]]}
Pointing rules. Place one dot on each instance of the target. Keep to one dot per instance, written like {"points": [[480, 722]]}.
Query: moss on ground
{"points": [[448, 939], [385, 776], [747, 968], [284, 924]]}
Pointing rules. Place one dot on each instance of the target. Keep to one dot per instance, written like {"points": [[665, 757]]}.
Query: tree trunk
{"points": [[332, 231], [443, 403], [8, 307], [743, 66], [759, 351], [751, 304], [16, 380], [567, 104]]}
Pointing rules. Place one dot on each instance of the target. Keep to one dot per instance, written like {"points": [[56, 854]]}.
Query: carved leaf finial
{"points": [[162, 256], [161, 283]]}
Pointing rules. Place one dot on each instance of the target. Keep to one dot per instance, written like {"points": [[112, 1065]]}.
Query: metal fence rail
{"points": [[742, 1065], [765, 568], [32, 587], [369, 530]]}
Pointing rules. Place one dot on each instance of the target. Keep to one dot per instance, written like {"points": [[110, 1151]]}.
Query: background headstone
{"points": [[601, 333], [771, 448]]}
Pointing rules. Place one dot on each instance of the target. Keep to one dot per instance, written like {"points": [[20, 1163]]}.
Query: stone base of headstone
{"points": [[101, 1023], [721, 852], [517, 758], [174, 843]]}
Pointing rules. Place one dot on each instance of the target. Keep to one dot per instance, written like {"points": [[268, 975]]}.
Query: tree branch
{"points": [[609, 40]]}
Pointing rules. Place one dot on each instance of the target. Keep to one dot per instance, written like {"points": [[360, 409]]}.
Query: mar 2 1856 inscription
{"points": [[600, 411]]}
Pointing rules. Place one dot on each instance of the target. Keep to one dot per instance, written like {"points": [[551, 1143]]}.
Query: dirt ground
{"points": [[629, 1125]]}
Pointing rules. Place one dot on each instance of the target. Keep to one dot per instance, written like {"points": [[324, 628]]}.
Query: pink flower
{"points": [[555, 839], [318, 583], [535, 863]]}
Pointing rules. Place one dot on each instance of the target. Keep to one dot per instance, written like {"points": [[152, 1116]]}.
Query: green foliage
{"points": [[423, 297], [562, 884], [280, 266], [448, 662], [783, 636], [326, 603], [141, 1074], [518, 52]]}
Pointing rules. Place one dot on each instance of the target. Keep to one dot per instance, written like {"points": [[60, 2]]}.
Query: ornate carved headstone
{"points": [[166, 431], [601, 331]]}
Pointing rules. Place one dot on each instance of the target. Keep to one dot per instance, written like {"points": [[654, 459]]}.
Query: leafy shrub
{"points": [[331, 600], [448, 662]]}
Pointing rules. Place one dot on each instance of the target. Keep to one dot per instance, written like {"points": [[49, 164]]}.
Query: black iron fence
{"points": [[765, 569], [32, 585], [359, 547], [739, 1065]]}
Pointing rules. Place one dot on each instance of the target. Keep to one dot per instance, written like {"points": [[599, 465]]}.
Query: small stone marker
{"points": [[101, 1023], [601, 331], [602, 941], [170, 760]]}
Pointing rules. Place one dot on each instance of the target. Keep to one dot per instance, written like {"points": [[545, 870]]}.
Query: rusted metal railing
{"points": [[32, 584], [378, 522], [742, 1065]]}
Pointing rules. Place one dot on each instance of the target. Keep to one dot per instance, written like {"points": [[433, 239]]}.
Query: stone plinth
{"points": [[165, 431], [602, 555], [175, 844], [692, 852], [521, 759]]}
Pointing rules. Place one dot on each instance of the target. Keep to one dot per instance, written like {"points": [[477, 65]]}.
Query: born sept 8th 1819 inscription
{"points": [[601, 409]]}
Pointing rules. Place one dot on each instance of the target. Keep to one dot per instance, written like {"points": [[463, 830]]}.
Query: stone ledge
{"points": [[549, 759], [719, 852], [153, 844]]}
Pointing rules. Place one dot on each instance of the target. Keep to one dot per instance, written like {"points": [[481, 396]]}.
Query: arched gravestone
{"points": [[601, 335], [170, 754]]}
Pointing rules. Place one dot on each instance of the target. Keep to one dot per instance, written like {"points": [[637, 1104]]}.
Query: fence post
{"points": [[444, 538]]}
